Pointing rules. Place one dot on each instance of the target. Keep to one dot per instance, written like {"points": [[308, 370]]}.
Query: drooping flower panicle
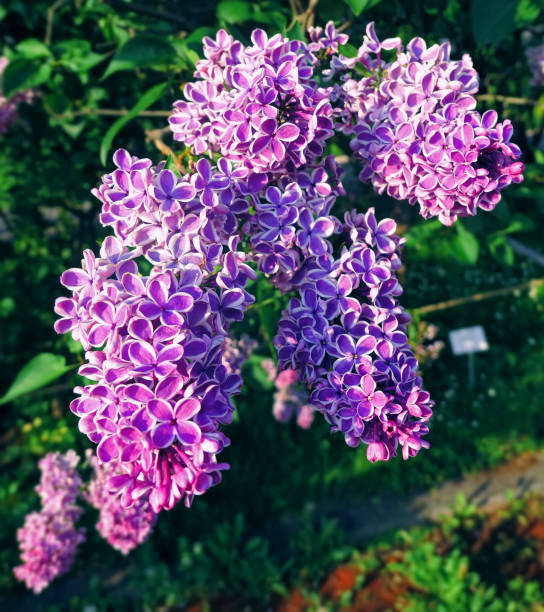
{"points": [[162, 388], [49, 538], [345, 336], [417, 133], [257, 106]]}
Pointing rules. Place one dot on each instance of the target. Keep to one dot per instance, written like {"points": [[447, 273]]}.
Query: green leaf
{"points": [[527, 12], [73, 129], [22, 73], [296, 32], [269, 311], [348, 50], [38, 372], [31, 48], [493, 22], [357, 6], [465, 245], [187, 57], [141, 52], [234, 11], [150, 96], [171, 165], [77, 55], [501, 249]]}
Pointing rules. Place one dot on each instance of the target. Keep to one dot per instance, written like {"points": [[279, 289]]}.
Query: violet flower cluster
{"points": [[290, 398], [416, 130], [535, 59], [257, 105], [49, 538], [154, 309], [155, 342], [346, 337], [8, 106], [123, 528]]}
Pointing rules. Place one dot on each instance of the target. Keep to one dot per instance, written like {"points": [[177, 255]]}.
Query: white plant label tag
{"points": [[468, 340]]}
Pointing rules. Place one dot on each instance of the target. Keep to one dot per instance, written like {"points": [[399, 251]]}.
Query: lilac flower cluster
{"points": [[535, 59], [290, 398], [345, 336], [292, 224], [49, 538], [123, 528], [154, 310], [416, 131], [257, 105], [162, 390], [8, 106]]}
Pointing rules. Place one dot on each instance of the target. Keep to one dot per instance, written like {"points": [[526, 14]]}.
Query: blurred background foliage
{"points": [[107, 72]]}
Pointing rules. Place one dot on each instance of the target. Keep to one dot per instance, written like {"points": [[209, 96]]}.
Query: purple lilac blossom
{"points": [[257, 106], [49, 539], [292, 222], [535, 58], [8, 106], [345, 336], [155, 342], [416, 130], [123, 528]]}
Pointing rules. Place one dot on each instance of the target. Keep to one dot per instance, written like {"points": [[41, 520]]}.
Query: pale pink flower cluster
{"points": [[49, 538], [290, 398]]}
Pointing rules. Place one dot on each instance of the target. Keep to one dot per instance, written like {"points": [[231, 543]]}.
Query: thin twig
{"points": [[149, 11], [478, 297], [110, 112], [507, 99], [50, 18], [304, 17]]}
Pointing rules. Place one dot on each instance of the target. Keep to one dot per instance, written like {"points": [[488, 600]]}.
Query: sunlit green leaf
{"points": [[151, 96], [234, 11], [37, 373]]}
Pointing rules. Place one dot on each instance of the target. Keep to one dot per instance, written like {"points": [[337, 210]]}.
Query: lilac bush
{"points": [[154, 309], [49, 538]]}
